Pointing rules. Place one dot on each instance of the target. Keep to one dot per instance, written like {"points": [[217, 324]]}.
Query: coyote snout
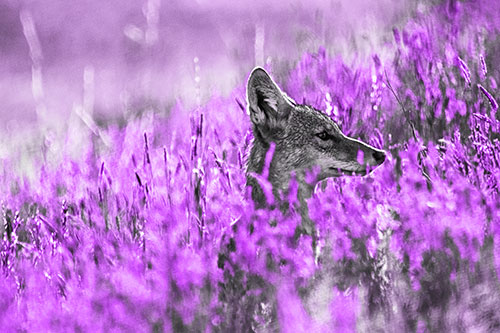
{"points": [[306, 141]]}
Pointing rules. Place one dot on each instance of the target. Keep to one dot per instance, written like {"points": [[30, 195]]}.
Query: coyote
{"points": [[307, 144]]}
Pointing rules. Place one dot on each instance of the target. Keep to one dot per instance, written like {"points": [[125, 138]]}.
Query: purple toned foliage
{"points": [[158, 232]]}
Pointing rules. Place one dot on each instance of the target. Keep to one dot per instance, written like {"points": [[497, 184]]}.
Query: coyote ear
{"points": [[267, 104]]}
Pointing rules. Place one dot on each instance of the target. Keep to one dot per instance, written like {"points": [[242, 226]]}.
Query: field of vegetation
{"points": [[149, 225]]}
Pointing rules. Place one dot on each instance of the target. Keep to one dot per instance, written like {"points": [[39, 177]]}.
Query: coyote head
{"points": [[305, 139]]}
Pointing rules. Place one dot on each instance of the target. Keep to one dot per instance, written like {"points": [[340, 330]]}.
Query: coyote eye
{"points": [[323, 135]]}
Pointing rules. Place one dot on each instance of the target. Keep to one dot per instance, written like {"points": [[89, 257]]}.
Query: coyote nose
{"points": [[379, 157]]}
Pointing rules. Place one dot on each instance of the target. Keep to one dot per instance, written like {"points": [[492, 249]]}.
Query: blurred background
{"points": [[69, 69], [111, 57]]}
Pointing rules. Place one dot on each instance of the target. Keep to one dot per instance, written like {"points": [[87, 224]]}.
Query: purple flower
{"points": [[464, 70], [493, 103]]}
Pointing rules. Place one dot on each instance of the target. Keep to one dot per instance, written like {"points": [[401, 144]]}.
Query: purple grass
{"points": [[493, 102], [148, 225]]}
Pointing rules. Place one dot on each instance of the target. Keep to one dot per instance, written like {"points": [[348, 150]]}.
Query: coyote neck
{"points": [[280, 180]]}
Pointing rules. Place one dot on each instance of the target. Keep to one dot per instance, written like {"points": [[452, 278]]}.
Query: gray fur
{"points": [[294, 130]]}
